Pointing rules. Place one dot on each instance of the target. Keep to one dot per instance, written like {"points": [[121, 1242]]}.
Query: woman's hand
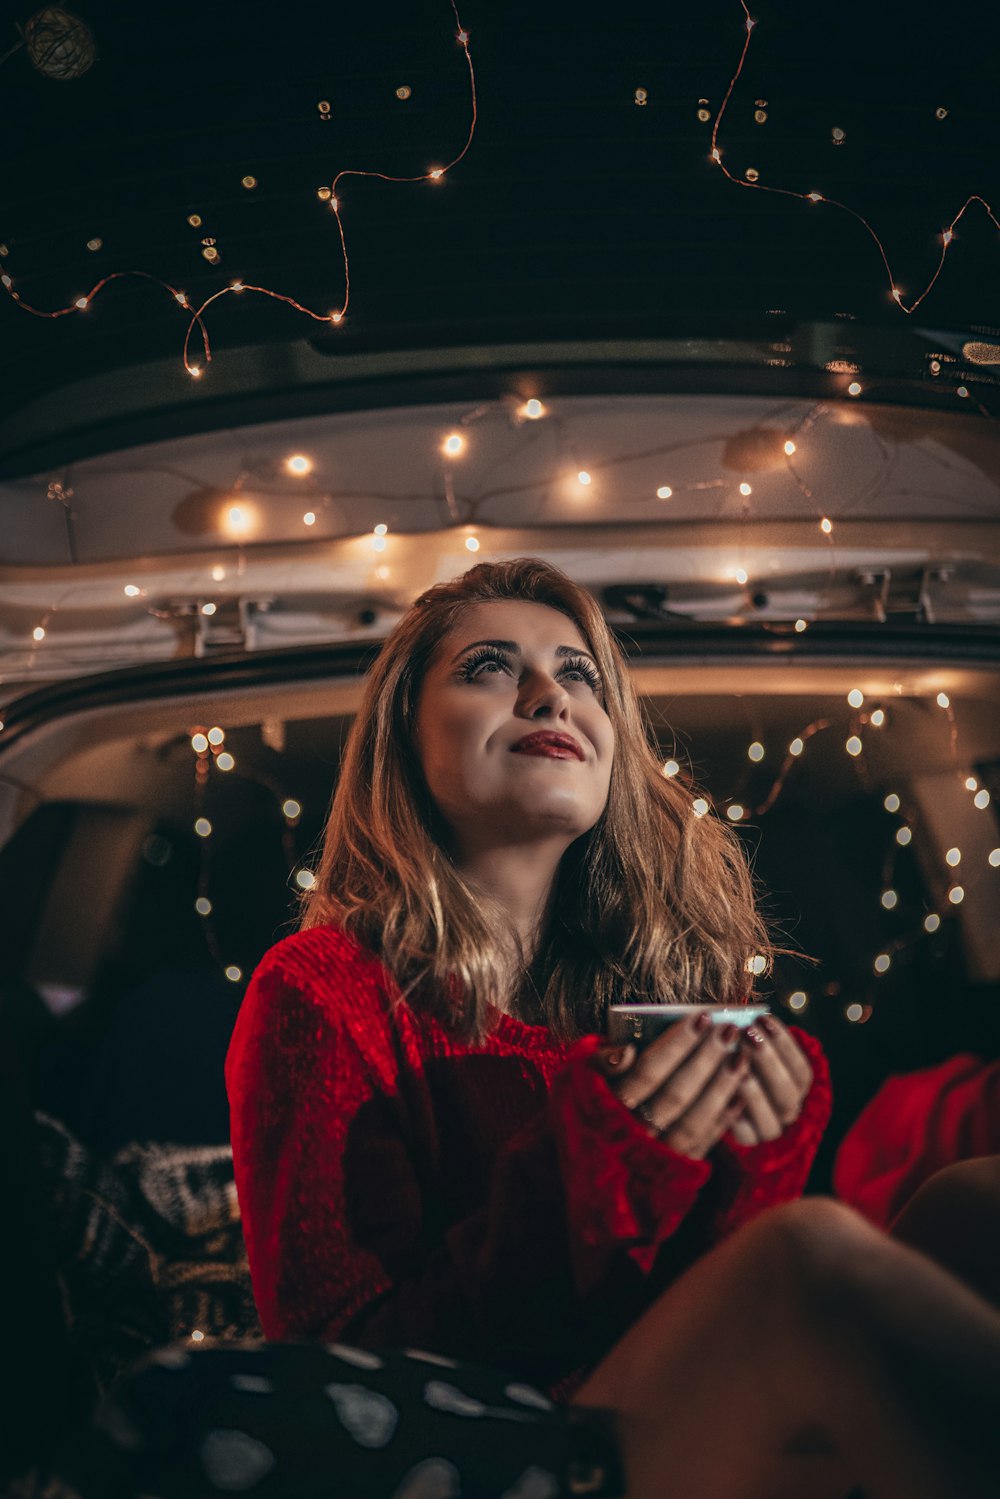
{"points": [[684, 1084], [776, 1085]]}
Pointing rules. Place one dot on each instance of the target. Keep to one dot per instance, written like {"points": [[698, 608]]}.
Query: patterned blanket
{"points": [[149, 1246]]}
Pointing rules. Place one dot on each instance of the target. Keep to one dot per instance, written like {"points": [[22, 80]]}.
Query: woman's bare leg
{"points": [[955, 1218], [808, 1321]]}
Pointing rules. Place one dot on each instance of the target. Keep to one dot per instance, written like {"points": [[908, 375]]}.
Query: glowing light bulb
{"points": [[664, 492], [897, 295], [890, 899], [218, 573], [699, 807], [436, 173], [532, 410], [194, 370], [216, 736], [583, 477], [904, 836], [181, 297], [993, 858], [932, 922], [453, 445], [236, 286], [735, 812], [233, 974], [815, 197], [756, 964], [472, 543], [291, 809], [953, 857], [855, 697], [943, 700], [198, 1336], [203, 827], [826, 525], [878, 718], [740, 576], [208, 608], [853, 745], [891, 802], [789, 450], [670, 768], [981, 799], [299, 465], [131, 592], [798, 1000], [963, 391], [381, 528], [309, 519], [81, 303], [756, 751], [745, 489], [716, 154], [796, 747], [38, 633], [882, 963], [800, 625], [947, 236], [305, 879], [854, 1012], [971, 784], [199, 743], [237, 520], [854, 389], [956, 895], [225, 761], [203, 906]]}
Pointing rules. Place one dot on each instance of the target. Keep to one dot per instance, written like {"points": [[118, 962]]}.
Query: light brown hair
{"points": [[653, 904]]}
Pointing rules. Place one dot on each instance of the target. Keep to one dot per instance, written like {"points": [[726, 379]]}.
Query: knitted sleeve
{"points": [[750, 1178], [341, 1236]]}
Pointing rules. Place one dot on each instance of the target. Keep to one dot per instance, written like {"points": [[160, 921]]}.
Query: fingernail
{"points": [[754, 1036], [703, 1022], [613, 1058], [768, 1024], [728, 1034]]}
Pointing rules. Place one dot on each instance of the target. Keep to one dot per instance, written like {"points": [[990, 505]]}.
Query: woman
{"points": [[432, 1147]]}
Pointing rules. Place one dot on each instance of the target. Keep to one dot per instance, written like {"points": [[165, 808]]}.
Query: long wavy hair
{"points": [[654, 904]]}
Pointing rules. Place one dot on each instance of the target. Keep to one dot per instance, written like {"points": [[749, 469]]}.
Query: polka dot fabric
{"points": [[301, 1421]]}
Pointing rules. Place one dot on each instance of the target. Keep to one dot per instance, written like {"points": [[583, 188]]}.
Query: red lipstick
{"points": [[546, 742]]}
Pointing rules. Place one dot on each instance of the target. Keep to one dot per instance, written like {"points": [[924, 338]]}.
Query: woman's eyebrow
{"points": [[515, 650]]}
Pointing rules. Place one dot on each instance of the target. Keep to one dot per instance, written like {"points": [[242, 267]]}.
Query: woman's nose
{"points": [[542, 696]]}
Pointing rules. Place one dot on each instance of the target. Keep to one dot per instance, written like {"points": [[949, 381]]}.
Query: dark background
{"points": [[575, 213]]}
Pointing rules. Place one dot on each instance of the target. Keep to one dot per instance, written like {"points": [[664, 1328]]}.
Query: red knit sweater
{"points": [[495, 1202]]}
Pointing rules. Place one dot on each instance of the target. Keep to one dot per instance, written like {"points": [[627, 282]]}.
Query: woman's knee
{"points": [[977, 1179], [823, 1250]]}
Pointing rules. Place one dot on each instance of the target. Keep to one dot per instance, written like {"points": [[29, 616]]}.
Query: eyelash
{"points": [[490, 653]]}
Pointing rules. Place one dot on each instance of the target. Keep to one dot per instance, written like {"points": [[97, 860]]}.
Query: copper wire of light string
{"points": [[947, 237], [435, 174], [81, 303]]}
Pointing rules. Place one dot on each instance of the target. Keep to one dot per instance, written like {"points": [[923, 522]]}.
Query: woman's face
{"points": [[509, 670]]}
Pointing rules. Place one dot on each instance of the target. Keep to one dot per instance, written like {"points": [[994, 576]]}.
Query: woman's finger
{"points": [[760, 1111], [712, 1111], [784, 1093], [662, 1059], [789, 1051], [664, 1103]]}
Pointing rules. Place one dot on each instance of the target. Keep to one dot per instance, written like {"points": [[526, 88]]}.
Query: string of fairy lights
{"points": [[235, 513], [750, 179], [211, 755]]}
